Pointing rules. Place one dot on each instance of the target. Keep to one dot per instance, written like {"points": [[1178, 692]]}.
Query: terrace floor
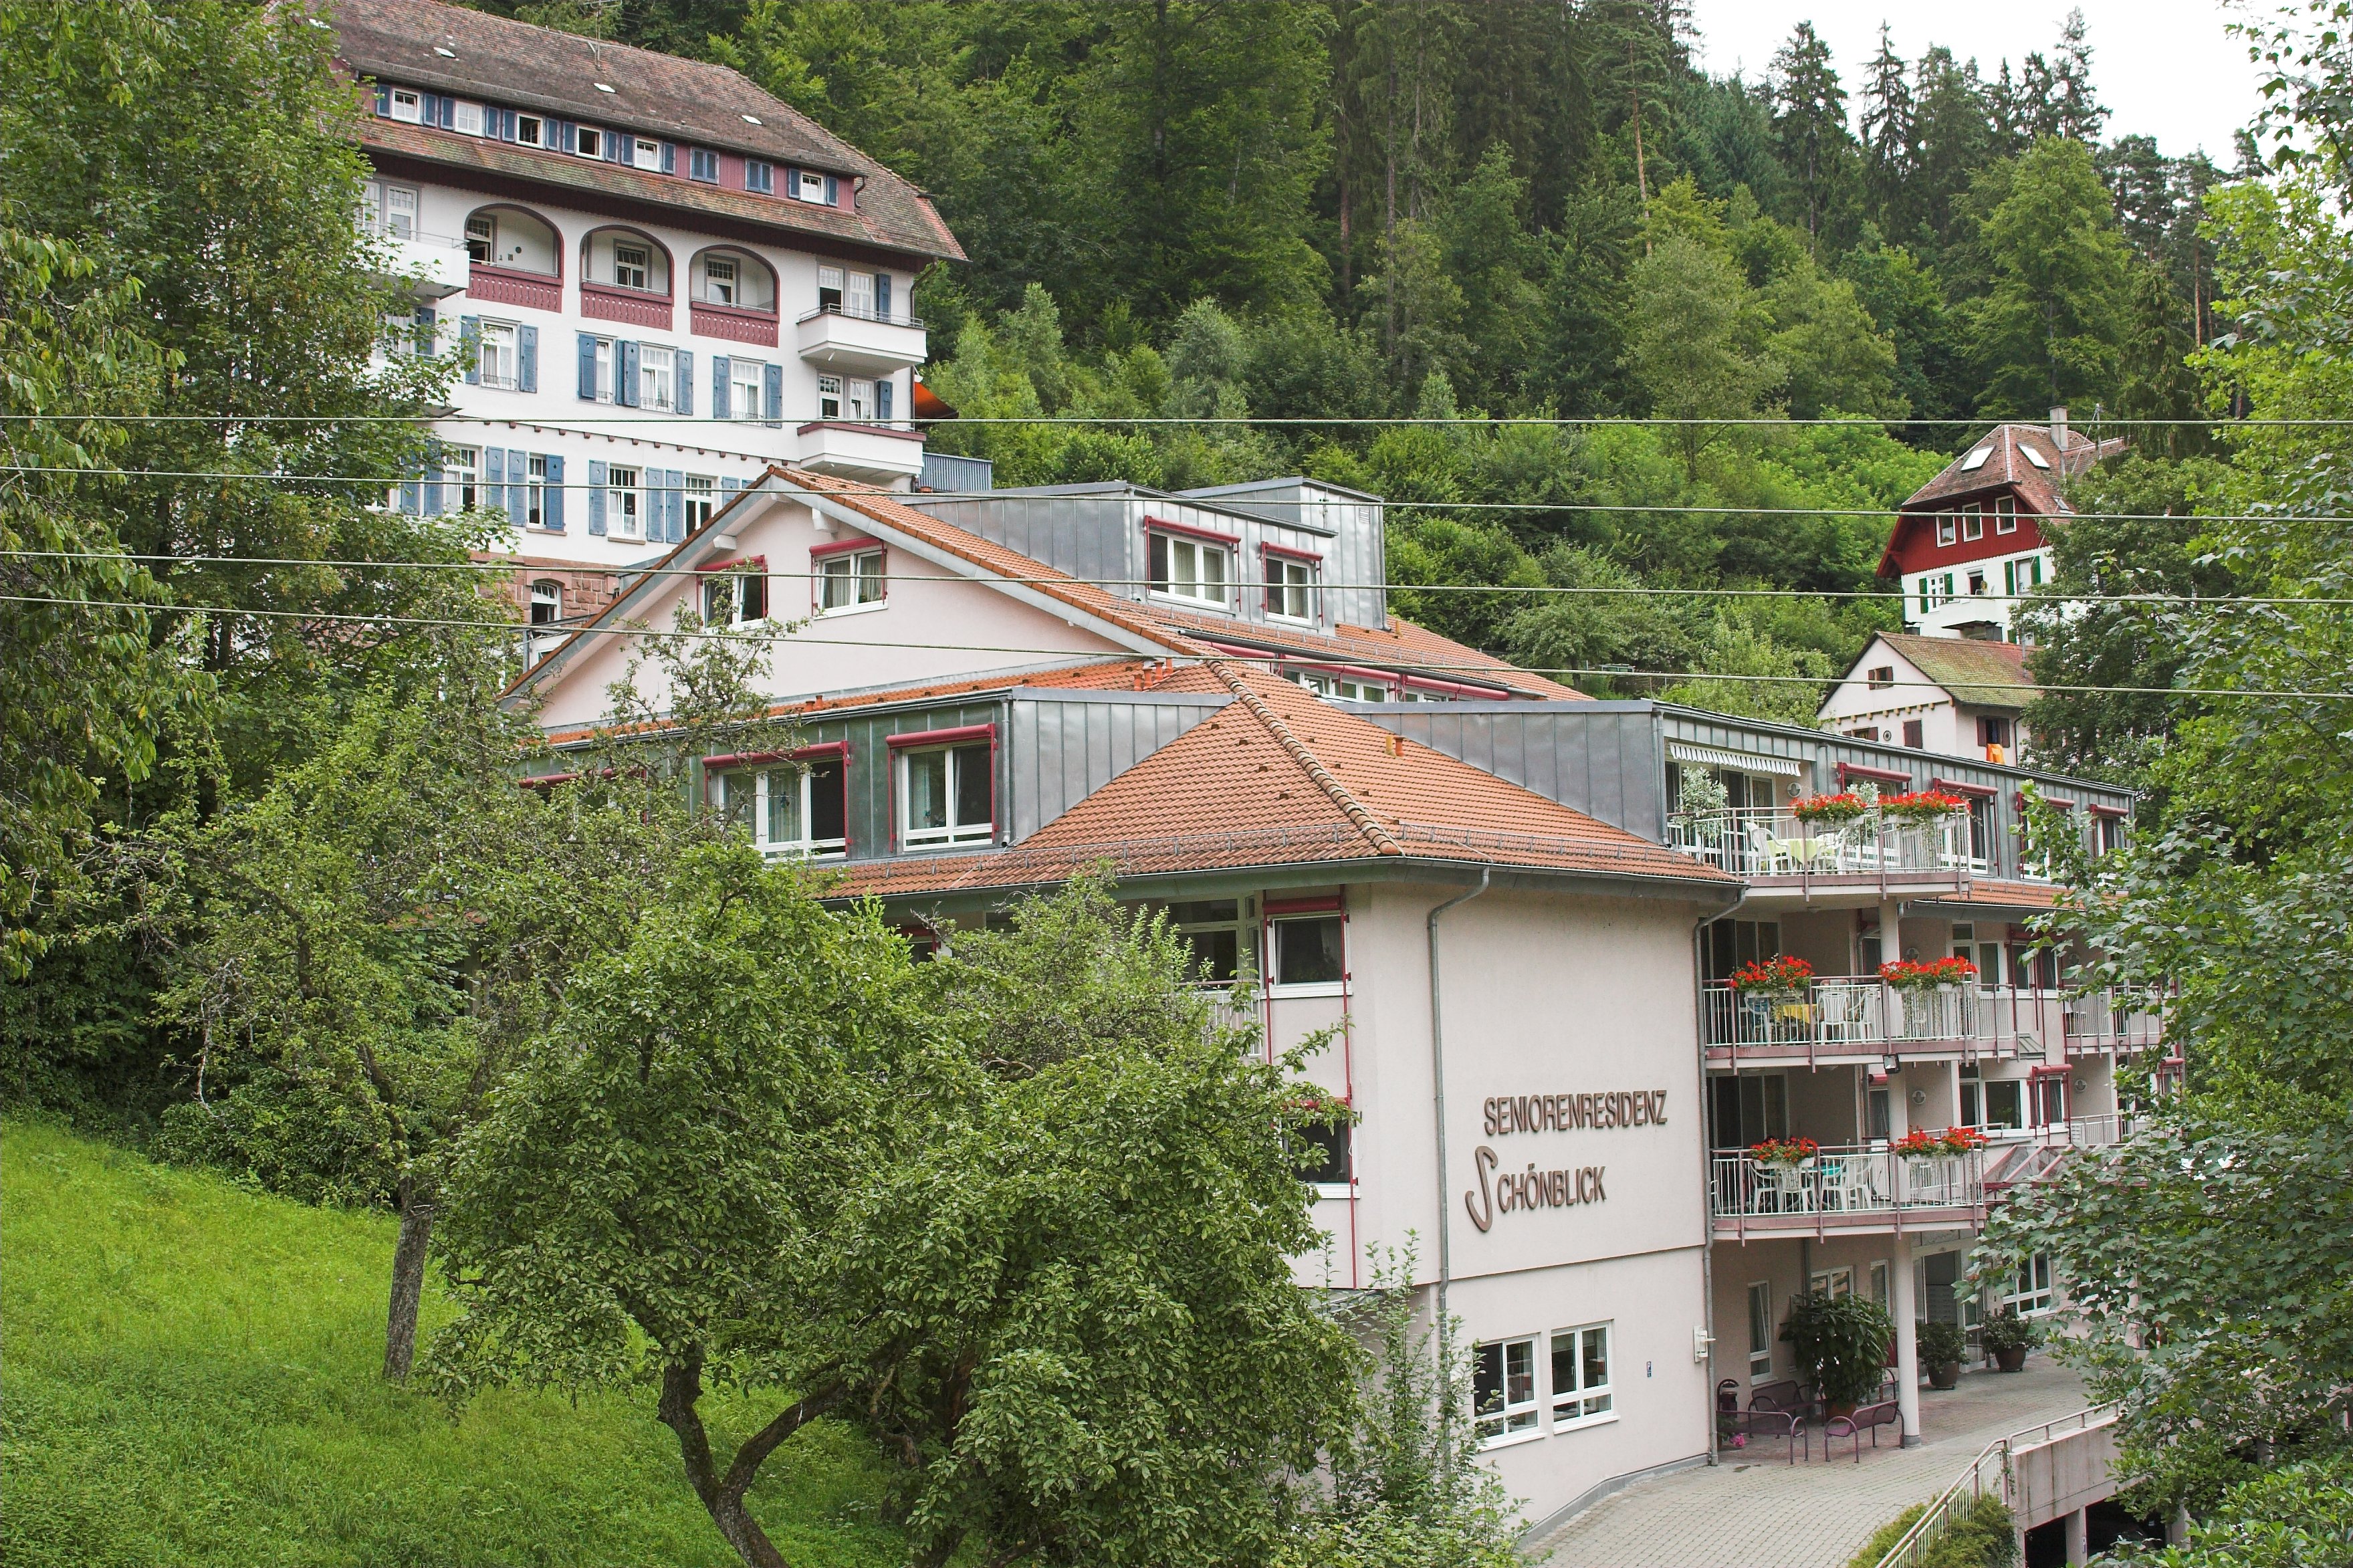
{"points": [[1753, 1509]]}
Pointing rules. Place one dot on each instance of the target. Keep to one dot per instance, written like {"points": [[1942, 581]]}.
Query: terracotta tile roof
{"points": [[1279, 777], [1981, 673], [2006, 466], [516, 65], [1400, 643]]}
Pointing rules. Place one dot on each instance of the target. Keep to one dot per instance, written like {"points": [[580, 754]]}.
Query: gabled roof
{"points": [[1278, 777], [518, 65], [1401, 643], [1981, 674]]}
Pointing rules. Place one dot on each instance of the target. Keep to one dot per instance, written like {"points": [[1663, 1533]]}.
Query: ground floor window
{"points": [[2033, 1291], [1760, 1329], [1832, 1283], [1504, 1388], [1580, 1375]]}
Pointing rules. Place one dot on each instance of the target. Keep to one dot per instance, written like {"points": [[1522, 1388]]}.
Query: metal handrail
{"points": [[1859, 1010], [848, 314], [1939, 1516]]}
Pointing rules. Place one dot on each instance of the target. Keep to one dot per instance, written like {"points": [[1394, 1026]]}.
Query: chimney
{"points": [[2059, 429]]}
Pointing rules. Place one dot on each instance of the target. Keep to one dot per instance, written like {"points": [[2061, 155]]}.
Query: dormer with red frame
{"points": [[1975, 539]]}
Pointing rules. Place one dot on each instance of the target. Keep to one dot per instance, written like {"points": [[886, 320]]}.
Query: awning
{"points": [[1743, 762]]}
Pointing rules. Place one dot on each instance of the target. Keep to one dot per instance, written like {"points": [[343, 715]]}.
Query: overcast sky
{"points": [[2165, 67]]}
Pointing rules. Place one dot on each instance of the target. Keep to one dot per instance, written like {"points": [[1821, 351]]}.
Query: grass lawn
{"points": [[188, 1376]]}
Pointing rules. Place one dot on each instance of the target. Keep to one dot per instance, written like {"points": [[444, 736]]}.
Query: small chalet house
{"points": [[1958, 697], [1972, 540], [661, 279], [1488, 881]]}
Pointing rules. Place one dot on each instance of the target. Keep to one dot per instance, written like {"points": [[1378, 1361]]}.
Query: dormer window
{"points": [[759, 176], [646, 154], [407, 107], [530, 131], [588, 142], [793, 811], [703, 164], [807, 185], [1195, 569], [1290, 585], [946, 787], [466, 119]]}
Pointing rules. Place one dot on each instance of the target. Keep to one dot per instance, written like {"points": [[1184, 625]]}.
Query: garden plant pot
{"points": [[2010, 1360], [1838, 1407], [1945, 1375]]}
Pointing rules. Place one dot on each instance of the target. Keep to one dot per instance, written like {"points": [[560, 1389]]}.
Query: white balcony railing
{"points": [[1763, 841], [1843, 1181], [1843, 1012]]}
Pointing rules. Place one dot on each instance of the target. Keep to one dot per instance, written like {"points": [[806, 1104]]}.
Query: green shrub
{"points": [[1882, 1540], [1841, 1344], [1941, 1344], [1979, 1536], [2006, 1330]]}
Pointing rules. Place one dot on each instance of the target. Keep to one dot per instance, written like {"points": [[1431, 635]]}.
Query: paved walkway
{"points": [[1762, 1512]]}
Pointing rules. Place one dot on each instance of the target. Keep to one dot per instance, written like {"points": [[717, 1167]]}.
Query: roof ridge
{"points": [[1366, 823]]}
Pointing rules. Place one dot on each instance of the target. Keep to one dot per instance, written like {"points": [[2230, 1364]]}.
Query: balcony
{"points": [[1851, 1190], [1768, 846], [512, 285], [874, 453], [630, 307], [731, 321], [841, 338], [1853, 1019], [430, 266]]}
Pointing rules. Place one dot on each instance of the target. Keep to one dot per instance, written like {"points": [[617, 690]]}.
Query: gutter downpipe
{"points": [[1438, 1102], [1707, 1160]]}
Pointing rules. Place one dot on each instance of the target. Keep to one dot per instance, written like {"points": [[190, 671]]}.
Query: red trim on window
{"points": [[843, 547], [759, 560], [1187, 530], [1326, 904], [1348, 671], [2098, 809], [546, 781], [2018, 802], [1878, 775], [2049, 1072], [1954, 787], [800, 754], [1289, 553], [943, 737]]}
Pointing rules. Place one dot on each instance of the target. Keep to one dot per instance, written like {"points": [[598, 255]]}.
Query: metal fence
{"points": [[1853, 1179], [1765, 841], [1989, 1474], [1839, 1011]]}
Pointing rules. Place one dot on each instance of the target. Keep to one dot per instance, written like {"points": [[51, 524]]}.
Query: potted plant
{"points": [[2007, 1337], [1912, 975], [1831, 810], [1942, 1347], [1782, 977], [1920, 807], [1703, 805], [1841, 1347], [1789, 1152]]}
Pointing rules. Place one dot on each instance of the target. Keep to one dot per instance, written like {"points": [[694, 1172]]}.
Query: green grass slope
{"points": [[188, 1376]]}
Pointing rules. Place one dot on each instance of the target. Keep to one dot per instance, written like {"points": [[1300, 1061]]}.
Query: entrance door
{"points": [[1942, 1274]]}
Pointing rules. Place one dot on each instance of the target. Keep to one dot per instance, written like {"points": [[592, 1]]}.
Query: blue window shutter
{"points": [[588, 367], [448, 114], [674, 506], [719, 387], [684, 380], [412, 499], [617, 148], [469, 342], [670, 158], [595, 497], [506, 124], [383, 100], [882, 295], [429, 109], [494, 478], [427, 341], [882, 391], [625, 391], [832, 191], [729, 487], [433, 480], [551, 510], [518, 486], [775, 393], [527, 359]]}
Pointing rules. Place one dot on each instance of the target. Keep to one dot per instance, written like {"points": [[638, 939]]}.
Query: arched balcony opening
{"points": [[514, 257], [625, 276], [733, 295]]}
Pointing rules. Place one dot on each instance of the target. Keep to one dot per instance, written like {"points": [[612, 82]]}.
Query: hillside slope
{"points": [[190, 1377]]}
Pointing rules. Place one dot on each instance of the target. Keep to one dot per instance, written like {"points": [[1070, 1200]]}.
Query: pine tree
{"points": [[2075, 112], [1810, 122], [1890, 139]]}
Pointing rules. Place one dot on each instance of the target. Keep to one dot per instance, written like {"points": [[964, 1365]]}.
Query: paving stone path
{"points": [[1761, 1512]]}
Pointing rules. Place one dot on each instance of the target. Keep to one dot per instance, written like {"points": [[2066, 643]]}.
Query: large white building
{"points": [[660, 280], [1522, 907]]}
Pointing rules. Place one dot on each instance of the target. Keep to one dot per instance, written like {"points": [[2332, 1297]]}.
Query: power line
{"points": [[1545, 421], [1478, 672], [440, 478], [1644, 590]]}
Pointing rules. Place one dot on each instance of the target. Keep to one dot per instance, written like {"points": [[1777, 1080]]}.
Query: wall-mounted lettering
{"points": [[1529, 1189], [1509, 1113]]}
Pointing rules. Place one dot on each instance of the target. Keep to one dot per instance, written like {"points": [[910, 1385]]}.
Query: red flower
{"points": [[1783, 974]]}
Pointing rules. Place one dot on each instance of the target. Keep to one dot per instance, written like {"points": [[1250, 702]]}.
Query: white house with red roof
{"points": [[1971, 541], [1527, 910]]}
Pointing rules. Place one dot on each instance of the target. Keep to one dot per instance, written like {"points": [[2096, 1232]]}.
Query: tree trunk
{"points": [[722, 1494], [408, 1283]]}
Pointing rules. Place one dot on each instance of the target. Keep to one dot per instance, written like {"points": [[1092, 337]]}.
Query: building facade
{"points": [[1958, 697], [1973, 541], [1524, 908], [659, 280]]}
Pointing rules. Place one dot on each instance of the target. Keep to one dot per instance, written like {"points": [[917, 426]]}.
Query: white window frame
{"points": [[858, 296], [495, 350], [644, 153], [588, 141], [535, 499], [1290, 581], [857, 400], [643, 250], [1324, 685], [1511, 1420], [954, 830], [607, 356], [858, 574], [548, 594], [829, 282], [461, 471], [1972, 524], [2033, 1292], [734, 583], [1276, 985], [808, 185], [1583, 1404], [407, 107], [481, 228], [1760, 1330], [658, 378], [828, 397], [1186, 573], [766, 784], [702, 499], [401, 208], [1947, 527], [747, 389], [1837, 1283], [530, 131], [2005, 514], [712, 283], [625, 498], [460, 112]]}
